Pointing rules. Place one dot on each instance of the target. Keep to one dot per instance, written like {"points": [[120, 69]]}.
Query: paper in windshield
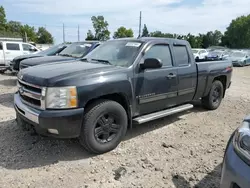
{"points": [[133, 44]]}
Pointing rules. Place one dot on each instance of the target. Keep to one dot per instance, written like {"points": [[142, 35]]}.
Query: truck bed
{"points": [[215, 68]]}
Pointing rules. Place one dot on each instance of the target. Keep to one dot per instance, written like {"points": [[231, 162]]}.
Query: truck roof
{"points": [[158, 39]]}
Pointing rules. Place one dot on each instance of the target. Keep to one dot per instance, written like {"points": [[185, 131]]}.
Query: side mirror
{"points": [[33, 49], [151, 63]]}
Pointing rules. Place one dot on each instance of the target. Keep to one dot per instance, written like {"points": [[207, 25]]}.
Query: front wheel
{"points": [[213, 100], [104, 126]]}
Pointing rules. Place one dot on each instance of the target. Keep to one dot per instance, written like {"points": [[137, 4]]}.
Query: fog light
{"points": [[53, 131]]}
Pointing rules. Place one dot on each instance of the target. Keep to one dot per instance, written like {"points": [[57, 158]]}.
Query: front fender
{"points": [[97, 87]]}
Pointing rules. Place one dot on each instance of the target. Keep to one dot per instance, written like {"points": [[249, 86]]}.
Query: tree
{"points": [[157, 34], [44, 37], [101, 28], [90, 36], [122, 32], [14, 27], [2, 19], [145, 32], [237, 34], [30, 31]]}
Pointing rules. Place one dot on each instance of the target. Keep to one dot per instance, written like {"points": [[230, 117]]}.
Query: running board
{"points": [[161, 114]]}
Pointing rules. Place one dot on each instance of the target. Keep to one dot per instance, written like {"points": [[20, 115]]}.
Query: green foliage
{"points": [[90, 35], [101, 28], [145, 32], [30, 31], [238, 33], [44, 37], [2, 19], [122, 32]]}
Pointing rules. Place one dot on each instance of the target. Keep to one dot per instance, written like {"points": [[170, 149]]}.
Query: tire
{"points": [[97, 119], [212, 101], [2, 71]]}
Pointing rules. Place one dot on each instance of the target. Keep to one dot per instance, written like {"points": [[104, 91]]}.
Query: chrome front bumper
{"points": [[26, 111]]}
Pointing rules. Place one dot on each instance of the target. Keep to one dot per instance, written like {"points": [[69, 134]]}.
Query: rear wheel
{"points": [[213, 100], [104, 126]]}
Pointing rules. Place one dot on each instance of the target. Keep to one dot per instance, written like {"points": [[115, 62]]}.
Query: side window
{"points": [[12, 46], [1, 46], [161, 52], [26, 47], [181, 55], [203, 51]]}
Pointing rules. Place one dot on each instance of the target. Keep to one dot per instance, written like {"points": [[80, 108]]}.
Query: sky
{"points": [[170, 16]]}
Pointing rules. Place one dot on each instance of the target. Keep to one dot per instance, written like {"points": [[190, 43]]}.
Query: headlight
{"points": [[61, 97], [241, 141]]}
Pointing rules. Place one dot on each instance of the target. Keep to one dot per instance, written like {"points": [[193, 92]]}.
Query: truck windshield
{"points": [[215, 53], [52, 50], [77, 50], [238, 54], [117, 52]]}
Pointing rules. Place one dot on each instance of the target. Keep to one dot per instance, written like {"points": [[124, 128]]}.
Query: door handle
{"points": [[171, 75], [7, 52]]}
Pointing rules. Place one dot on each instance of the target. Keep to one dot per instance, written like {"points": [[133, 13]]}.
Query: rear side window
{"points": [[1, 46], [181, 55], [12, 46], [161, 52]]}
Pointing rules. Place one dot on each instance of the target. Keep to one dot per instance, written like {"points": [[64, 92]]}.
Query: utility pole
{"points": [[78, 33], [140, 26], [63, 34], [26, 38]]}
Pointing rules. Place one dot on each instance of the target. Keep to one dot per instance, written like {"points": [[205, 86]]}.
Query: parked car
{"points": [[240, 58], [9, 50], [236, 169], [200, 53], [74, 51], [54, 50], [217, 55], [123, 81]]}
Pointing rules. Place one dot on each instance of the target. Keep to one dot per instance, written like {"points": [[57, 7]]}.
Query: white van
{"points": [[9, 50]]}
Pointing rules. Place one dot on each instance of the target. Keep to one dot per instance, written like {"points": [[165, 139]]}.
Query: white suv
{"points": [[200, 53], [9, 50]]}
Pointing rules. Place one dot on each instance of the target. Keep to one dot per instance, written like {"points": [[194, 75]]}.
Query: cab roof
{"points": [[156, 39]]}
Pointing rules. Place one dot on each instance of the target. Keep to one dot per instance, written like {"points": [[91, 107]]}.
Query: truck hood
{"points": [[49, 75], [43, 60], [27, 56]]}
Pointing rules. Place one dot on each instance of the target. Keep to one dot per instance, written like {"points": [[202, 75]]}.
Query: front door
{"points": [[158, 87]]}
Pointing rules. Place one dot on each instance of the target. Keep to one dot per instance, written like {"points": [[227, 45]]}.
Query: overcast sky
{"points": [[173, 16]]}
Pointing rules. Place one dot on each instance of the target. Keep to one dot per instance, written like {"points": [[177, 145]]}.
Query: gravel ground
{"points": [[183, 150]]}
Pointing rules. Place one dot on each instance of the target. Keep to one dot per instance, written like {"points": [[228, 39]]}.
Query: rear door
{"points": [[187, 73], [12, 50], [158, 86]]}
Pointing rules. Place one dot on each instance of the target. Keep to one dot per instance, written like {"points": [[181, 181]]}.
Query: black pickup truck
{"points": [[121, 83]]}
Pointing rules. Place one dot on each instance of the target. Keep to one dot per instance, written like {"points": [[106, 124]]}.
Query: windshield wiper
{"points": [[66, 55], [101, 61]]}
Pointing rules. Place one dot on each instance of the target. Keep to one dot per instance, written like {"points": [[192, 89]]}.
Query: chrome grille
{"points": [[32, 95]]}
